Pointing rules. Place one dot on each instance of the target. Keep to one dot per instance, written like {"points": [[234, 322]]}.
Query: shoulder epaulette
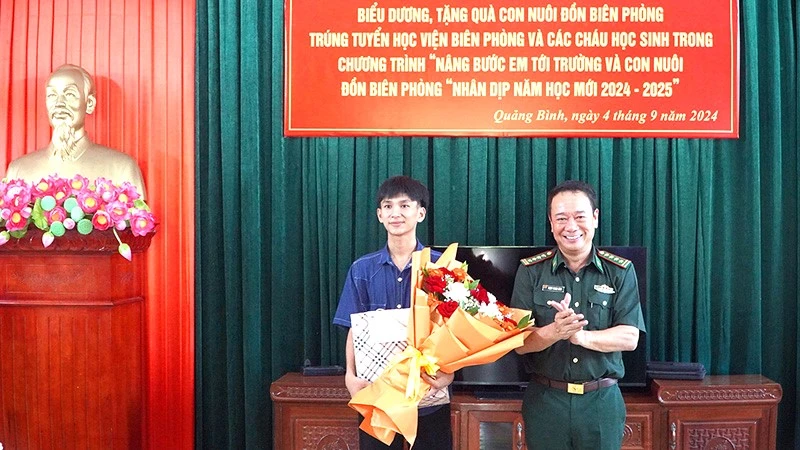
{"points": [[535, 259], [614, 259]]}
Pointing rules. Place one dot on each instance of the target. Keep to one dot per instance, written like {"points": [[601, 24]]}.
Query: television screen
{"points": [[496, 268]]}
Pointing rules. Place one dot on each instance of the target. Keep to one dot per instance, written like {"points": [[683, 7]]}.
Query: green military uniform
{"points": [[606, 292]]}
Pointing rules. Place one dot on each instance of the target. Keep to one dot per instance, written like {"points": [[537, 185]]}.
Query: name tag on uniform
{"points": [[604, 289], [551, 288]]}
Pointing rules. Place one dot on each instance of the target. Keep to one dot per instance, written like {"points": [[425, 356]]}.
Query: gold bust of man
{"points": [[70, 96]]}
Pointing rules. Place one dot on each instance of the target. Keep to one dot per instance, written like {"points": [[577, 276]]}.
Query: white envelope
{"points": [[377, 337]]}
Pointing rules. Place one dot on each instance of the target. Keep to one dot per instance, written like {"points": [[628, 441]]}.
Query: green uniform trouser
{"points": [[558, 420]]}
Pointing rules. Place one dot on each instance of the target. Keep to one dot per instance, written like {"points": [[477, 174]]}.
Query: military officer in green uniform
{"points": [[586, 308]]}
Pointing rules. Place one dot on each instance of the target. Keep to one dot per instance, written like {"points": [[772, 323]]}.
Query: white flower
{"points": [[491, 310], [456, 292]]}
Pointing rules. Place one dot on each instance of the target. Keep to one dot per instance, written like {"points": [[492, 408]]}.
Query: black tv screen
{"points": [[496, 267]]}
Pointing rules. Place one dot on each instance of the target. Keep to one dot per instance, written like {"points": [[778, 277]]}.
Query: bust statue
{"points": [[70, 96]]}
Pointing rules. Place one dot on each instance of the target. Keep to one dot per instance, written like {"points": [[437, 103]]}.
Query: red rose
{"points": [[510, 320], [434, 284], [446, 309], [480, 294], [508, 324]]}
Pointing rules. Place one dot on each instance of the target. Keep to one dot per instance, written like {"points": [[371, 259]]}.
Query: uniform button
{"points": [[399, 279], [604, 303], [575, 360], [577, 279], [577, 304], [399, 306]]}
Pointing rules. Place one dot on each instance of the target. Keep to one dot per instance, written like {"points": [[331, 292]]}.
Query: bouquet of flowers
{"points": [[56, 205], [451, 290], [453, 323]]}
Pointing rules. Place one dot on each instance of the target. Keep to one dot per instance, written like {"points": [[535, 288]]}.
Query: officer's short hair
{"points": [[572, 186]]}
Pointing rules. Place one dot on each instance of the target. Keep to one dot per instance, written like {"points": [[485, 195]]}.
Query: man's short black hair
{"points": [[400, 185], [572, 186]]}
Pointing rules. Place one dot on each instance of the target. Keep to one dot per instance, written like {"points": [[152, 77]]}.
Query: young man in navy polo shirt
{"points": [[382, 280]]}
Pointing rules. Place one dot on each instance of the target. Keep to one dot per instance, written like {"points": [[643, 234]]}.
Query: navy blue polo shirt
{"points": [[374, 282]]}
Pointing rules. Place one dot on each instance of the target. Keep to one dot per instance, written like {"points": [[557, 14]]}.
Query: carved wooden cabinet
{"points": [[720, 413], [312, 413], [642, 422], [488, 424], [717, 413]]}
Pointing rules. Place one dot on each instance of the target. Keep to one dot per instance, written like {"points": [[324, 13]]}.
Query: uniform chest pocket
{"points": [[542, 312], [599, 311]]}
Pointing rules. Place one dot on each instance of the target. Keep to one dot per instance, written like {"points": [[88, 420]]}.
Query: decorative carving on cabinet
{"points": [[720, 444], [305, 392], [719, 395], [632, 435], [330, 438], [720, 438]]}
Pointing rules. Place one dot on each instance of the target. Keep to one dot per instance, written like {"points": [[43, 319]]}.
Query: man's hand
{"points": [[569, 325], [579, 338], [439, 380], [354, 384], [566, 323]]}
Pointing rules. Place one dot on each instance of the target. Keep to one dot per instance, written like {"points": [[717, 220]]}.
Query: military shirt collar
{"points": [[559, 260]]}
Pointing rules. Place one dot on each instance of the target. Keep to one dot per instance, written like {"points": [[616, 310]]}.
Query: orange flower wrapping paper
{"points": [[389, 405]]}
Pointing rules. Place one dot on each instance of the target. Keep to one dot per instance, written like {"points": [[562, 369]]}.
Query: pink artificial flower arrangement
{"points": [[55, 205]]}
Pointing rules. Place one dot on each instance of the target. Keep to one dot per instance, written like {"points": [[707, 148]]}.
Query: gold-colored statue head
{"points": [[70, 97]]}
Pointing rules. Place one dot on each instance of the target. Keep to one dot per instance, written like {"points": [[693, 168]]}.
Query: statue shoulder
{"points": [[110, 153], [20, 167], [33, 157], [116, 165]]}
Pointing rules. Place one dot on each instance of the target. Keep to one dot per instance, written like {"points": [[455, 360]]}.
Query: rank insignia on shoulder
{"points": [[531, 260], [614, 259]]}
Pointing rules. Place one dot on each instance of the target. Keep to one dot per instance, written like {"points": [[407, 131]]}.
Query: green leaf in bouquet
{"points": [[37, 215], [471, 284], [18, 234], [524, 322]]}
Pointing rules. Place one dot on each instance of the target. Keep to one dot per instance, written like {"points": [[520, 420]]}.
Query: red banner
{"points": [[411, 67]]}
